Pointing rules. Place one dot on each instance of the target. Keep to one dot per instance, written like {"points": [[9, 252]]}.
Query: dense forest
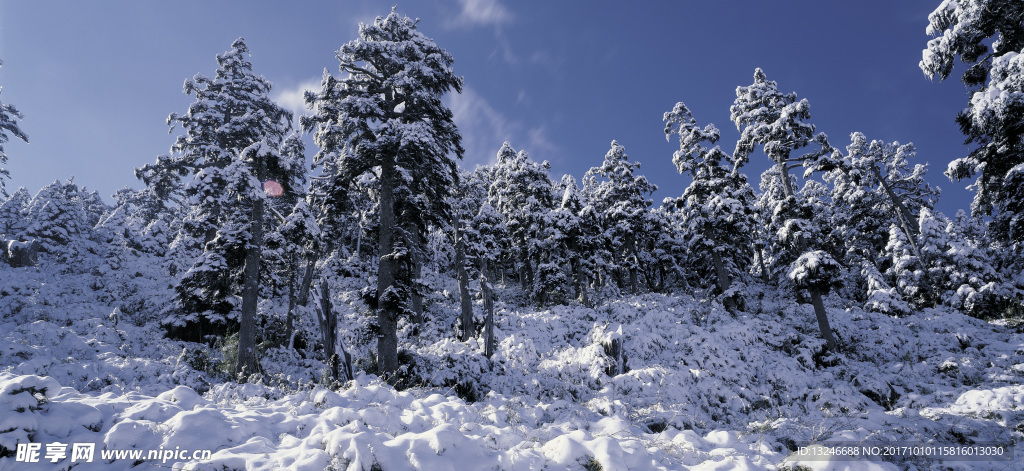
{"points": [[250, 266]]}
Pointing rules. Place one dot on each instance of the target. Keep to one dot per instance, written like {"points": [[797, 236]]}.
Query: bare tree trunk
{"points": [[417, 271], [579, 279], [247, 362], [387, 305], [633, 285], [290, 326], [724, 280], [460, 270], [307, 281], [329, 332], [819, 313], [359, 234], [801, 245], [485, 289], [759, 253], [526, 276], [902, 213]]}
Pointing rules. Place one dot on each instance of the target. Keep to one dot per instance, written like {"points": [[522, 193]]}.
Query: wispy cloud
{"points": [[486, 13], [482, 13], [484, 128], [293, 99], [539, 145]]}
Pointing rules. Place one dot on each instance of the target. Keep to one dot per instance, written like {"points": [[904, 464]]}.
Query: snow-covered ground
{"points": [[704, 390]]}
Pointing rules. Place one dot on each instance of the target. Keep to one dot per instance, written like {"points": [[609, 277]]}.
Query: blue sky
{"points": [[96, 80]]}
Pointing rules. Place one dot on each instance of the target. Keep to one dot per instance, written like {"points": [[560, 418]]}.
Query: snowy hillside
{"points": [[373, 305], [704, 389]]}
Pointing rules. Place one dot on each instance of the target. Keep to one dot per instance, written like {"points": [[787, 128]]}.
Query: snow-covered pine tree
{"points": [[260, 162], [294, 241], [958, 272], [717, 208], [119, 229], [483, 225], [9, 116], [988, 37], [466, 200], [57, 217], [387, 113], [554, 284], [622, 201], [144, 205], [669, 253], [570, 220], [522, 191], [12, 219], [874, 187], [775, 121], [231, 145], [147, 212]]}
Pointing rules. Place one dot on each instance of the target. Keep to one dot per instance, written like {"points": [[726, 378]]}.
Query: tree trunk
{"points": [[307, 281], [485, 289], [819, 306], [416, 254], [359, 235], [290, 326], [579, 279], [329, 329], [633, 285], [903, 214], [460, 271], [724, 280], [387, 305], [247, 362], [759, 253], [820, 314], [527, 268]]}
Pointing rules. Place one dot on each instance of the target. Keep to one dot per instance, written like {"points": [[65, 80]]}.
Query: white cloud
{"points": [[484, 129], [537, 143], [482, 13], [293, 99]]}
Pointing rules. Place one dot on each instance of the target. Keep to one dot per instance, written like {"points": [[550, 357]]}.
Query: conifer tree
{"points": [[570, 220], [387, 114], [775, 121], [9, 116], [621, 200], [233, 135], [873, 188], [988, 37], [12, 219], [717, 207], [57, 217], [522, 191]]}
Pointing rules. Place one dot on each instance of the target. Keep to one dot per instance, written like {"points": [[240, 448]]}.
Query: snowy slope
{"points": [[705, 389]]}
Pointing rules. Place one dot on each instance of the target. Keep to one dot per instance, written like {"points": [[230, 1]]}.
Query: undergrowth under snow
{"points": [[704, 390]]}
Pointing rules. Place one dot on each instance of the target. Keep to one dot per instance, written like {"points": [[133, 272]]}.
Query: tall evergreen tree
{"points": [[988, 37], [717, 207], [622, 201], [873, 188], [9, 116], [233, 135], [571, 220], [775, 121], [523, 192], [387, 113]]}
